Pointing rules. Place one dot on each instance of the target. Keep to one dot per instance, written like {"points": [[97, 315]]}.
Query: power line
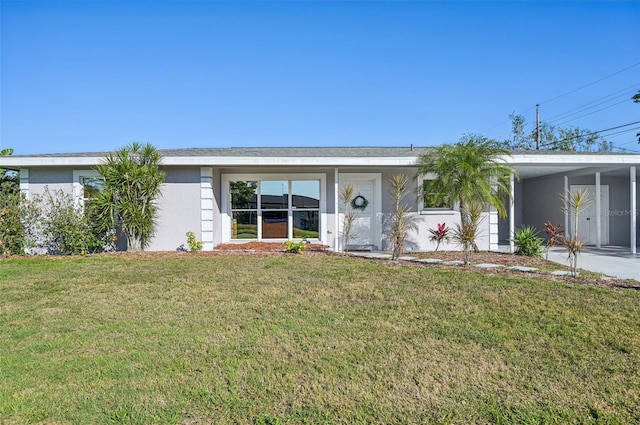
{"points": [[617, 133], [592, 112], [565, 94], [619, 145], [594, 103], [590, 84], [553, 121], [626, 149], [598, 132]]}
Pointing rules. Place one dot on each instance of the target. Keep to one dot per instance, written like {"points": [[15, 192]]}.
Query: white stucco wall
{"points": [[179, 210], [180, 207]]}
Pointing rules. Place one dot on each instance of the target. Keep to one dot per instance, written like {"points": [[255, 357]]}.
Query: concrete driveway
{"points": [[612, 261]]}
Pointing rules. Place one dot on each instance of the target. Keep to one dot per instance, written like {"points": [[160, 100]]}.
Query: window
{"points": [[91, 186], [305, 203], [275, 209], [428, 200], [244, 209], [86, 184]]}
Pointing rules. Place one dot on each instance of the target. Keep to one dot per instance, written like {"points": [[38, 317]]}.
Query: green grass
{"points": [[308, 339]]}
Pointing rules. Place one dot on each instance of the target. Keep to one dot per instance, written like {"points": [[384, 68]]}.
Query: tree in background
{"points": [[470, 173], [555, 138], [132, 178]]}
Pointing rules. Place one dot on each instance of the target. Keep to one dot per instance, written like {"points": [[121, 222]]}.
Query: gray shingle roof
{"points": [[319, 152]]}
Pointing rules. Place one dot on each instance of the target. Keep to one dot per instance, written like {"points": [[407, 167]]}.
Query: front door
{"points": [[367, 207], [587, 223]]}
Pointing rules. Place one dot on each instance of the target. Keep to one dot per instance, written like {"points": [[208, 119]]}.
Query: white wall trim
{"points": [[206, 208], [493, 229], [24, 182]]}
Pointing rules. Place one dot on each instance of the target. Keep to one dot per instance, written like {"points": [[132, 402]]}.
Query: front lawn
{"points": [[276, 338]]}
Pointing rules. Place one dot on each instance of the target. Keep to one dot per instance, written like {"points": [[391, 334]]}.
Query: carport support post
{"points": [[566, 210], [633, 208], [336, 206], [512, 212], [598, 212]]}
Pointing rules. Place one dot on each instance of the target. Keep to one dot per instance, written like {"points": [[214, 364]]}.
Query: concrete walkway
{"points": [[611, 261]]}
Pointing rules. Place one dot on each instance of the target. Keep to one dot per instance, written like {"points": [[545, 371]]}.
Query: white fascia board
{"points": [[43, 161], [571, 159]]}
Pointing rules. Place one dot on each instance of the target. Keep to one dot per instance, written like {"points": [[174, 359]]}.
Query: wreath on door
{"points": [[359, 203]]}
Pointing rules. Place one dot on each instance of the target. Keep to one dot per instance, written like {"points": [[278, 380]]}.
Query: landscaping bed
{"points": [[544, 267]]}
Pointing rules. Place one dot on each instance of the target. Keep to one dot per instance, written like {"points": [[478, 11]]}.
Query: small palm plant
{"points": [[348, 219], [467, 230], [440, 234], [574, 203], [400, 222]]}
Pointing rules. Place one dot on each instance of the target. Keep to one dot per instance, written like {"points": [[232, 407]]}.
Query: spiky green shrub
{"points": [[527, 242], [132, 179]]}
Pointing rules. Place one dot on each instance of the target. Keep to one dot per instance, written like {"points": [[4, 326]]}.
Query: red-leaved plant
{"points": [[555, 235], [439, 234]]}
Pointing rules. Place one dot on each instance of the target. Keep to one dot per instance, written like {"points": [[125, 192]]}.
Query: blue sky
{"points": [[93, 76]]}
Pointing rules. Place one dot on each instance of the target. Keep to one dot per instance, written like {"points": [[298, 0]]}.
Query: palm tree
{"points": [[470, 173], [132, 180]]}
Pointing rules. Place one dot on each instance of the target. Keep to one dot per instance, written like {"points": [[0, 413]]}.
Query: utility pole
{"points": [[537, 127]]}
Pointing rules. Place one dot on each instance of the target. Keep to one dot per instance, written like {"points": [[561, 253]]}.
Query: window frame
{"points": [[432, 211], [227, 211], [78, 187]]}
